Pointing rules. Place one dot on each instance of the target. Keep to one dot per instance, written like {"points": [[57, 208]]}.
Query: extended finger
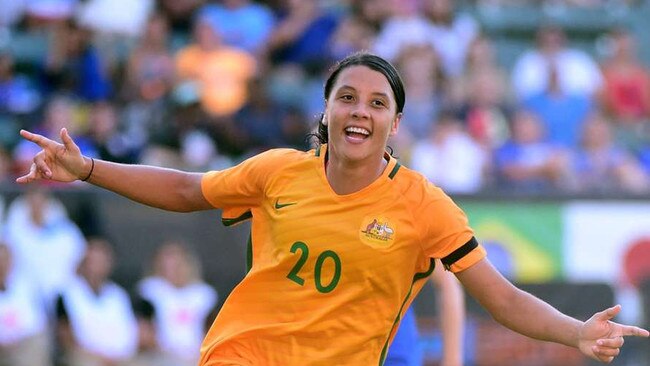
{"points": [[67, 140], [629, 330], [39, 140], [608, 314]]}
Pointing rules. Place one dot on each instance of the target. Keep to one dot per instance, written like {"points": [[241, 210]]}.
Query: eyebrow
{"points": [[381, 94]]}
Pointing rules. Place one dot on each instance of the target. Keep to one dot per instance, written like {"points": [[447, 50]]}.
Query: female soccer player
{"points": [[343, 237]]}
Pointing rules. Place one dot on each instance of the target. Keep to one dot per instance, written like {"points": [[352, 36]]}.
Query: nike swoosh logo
{"points": [[279, 205]]}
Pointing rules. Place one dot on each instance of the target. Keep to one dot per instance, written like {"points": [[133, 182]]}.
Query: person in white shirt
{"points": [[96, 322], [577, 72], [23, 324], [182, 302], [46, 245], [450, 158]]}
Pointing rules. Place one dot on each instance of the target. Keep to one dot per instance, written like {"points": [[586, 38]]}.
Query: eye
{"points": [[346, 97], [378, 103]]}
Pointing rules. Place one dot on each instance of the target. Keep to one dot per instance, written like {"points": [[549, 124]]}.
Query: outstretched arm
{"points": [[598, 337], [167, 189], [451, 308]]}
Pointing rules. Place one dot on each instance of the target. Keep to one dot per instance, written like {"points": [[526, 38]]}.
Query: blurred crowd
{"points": [[198, 84], [59, 306]]}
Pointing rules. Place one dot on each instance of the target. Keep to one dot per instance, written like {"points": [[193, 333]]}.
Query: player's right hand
{"points": [[601, 339], [56, 161]]}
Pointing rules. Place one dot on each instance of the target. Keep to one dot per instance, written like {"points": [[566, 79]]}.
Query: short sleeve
{"points": [[447, 234], [243, 186]]}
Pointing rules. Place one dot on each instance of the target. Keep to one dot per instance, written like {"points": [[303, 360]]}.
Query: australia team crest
{"points": [[377, 231]]}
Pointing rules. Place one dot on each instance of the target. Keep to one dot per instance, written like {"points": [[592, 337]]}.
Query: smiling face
{"points": [[361, 113]]}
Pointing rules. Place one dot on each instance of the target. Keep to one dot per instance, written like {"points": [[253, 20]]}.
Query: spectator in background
{"points": [[186, 139], [150, 67], [484, 108], [625, 96], [116, 25], [182, 302], [18, 95], [577, 72], [405, 26], [105, 137], [180, 13], [46, 245], [263, 123], [96, 325], [6, 163], [302, 33], [198, 150], [23, 323], [527, 162], [430, 22], [243, 24], [357, 25], [601, 166], [425, 85], [644, 158], [358, 28], [149, 353], [50, 12], [372, 12], [218, 73], [481, 60], [12, 13], [451, 34], [73, 65], [481, 57], [299, 51], [450, 158], [148, 81], [125, 18], [562, 113]]}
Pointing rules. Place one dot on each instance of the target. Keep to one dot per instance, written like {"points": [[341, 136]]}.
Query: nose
{"points": [[360, 111]]}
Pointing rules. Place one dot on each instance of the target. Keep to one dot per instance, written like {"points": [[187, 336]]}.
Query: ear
{"points": [[324, 118], [395, 127]]}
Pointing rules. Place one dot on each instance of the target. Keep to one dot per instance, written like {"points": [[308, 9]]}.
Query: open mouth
{"points": [[357, 133]]}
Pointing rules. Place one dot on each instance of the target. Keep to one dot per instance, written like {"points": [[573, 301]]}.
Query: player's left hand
{"points": [[601, 339]]}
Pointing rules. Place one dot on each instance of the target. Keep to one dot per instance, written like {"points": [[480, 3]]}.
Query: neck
{"points": [[95, 285], [347, 178]]}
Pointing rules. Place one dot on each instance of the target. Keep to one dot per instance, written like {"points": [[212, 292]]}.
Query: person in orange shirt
{"points": [[342, 237], [217, 73]]}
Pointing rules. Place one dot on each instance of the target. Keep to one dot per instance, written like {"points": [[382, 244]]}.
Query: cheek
{"points": [[334, 117]]}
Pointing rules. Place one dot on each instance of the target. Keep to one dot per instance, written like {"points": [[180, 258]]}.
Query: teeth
{"points": [[360, 130]]}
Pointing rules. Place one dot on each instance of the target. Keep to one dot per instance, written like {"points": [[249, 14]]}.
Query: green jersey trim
{"points": [[232, 221], [393, 172], [417, 277], [249, 252]]}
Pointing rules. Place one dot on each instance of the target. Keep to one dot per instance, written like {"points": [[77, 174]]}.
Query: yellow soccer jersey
{"points": [[331, 274]]}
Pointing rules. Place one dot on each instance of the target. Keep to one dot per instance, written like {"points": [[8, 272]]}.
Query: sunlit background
{"points": [[533, 115]]}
